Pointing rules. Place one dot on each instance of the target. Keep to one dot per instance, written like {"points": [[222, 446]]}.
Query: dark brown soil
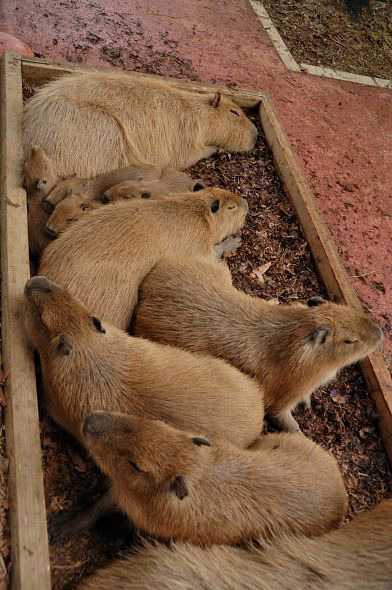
{"points": [[350, 35], [342, 418]]}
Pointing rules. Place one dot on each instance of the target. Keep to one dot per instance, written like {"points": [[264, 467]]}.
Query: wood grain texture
{"points": [[29, 540], [41, 71], [376, 374]]}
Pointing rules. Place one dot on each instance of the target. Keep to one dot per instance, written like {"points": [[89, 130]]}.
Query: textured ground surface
{"points": [[342, 134], [349, 35]]}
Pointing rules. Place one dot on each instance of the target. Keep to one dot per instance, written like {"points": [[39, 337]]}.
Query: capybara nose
{"points": [[52, 233], [48, 206], [198, 186], [40, 284]]}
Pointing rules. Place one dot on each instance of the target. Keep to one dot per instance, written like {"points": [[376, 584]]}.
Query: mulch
{"points": [[350, 35], [273, 262]]}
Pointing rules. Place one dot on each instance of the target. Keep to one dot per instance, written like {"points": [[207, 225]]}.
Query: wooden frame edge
{"points": [[375, 372], [29, 538]]}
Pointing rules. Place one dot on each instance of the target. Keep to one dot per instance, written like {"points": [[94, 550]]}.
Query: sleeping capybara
{"points": [[291, 349], [174, 484], [357, 556], [103, 258], [137, 121]]}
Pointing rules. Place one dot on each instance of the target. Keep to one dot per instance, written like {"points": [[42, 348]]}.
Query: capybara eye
{"points": [[351, 341], [84, 206], [215, 206], [201, 441], [70, 219], [234, 112], [135, 467], [145, 195]]}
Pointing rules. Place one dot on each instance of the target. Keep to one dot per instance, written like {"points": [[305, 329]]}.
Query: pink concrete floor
{"points": [[341, 132]]}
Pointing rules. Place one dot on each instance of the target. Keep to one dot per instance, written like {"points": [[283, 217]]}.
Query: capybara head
{"points": [[226, 211], [171, 182], [322, 337], [143, 454], [228, 126], [73, 185], [54, 317], [70, 209], [38, 172]]}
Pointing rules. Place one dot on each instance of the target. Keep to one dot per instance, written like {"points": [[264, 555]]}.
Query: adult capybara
{"points": [[75, 204], [291, 349], [174, 484], [137, 121], [103, 258], [87, 365], [357, 556], [39, 178]]}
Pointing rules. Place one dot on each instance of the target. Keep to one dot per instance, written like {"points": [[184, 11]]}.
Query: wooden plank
{"points": [[29, 539], [41, 71], [376, 374]]}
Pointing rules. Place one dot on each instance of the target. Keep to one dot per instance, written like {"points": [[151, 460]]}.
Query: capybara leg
{"points": [[67, 524], [230, 244], [285, 421], [205, 152]]}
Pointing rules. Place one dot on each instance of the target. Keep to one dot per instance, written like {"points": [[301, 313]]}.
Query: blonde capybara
{"points": [[137, 121], [72, 203], [357, 556], [291, 349], [103, 258], [174, 484], [89, 365], [39, 178]]}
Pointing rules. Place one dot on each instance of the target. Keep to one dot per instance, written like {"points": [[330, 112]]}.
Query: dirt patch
{"points": [[342, 419], [350, 35]]}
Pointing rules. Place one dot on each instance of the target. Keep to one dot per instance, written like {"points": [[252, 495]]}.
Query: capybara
{"points": [[75, 204], [291, 349], [94, 188], [39, 178], [174, 484], [103, 258], [136, 121], [357, 556], [89, 365]]}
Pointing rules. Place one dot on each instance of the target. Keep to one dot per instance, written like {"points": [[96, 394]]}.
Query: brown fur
{"points": [[357, 556], [75, 204], [291, 349], [38, 178], [86, 367], [94, 188], [103, 258], [137, 121], [177, 485]]}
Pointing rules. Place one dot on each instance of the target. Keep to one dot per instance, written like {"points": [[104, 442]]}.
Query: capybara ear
{"points": [[85, 206], [179, 487], [41, 183], [315, 301], [201, 441], [63, 345], [48, 206], [215, 205], [106, 198], [320, 335], [198, 186], [98, 324], [216, 100]]}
